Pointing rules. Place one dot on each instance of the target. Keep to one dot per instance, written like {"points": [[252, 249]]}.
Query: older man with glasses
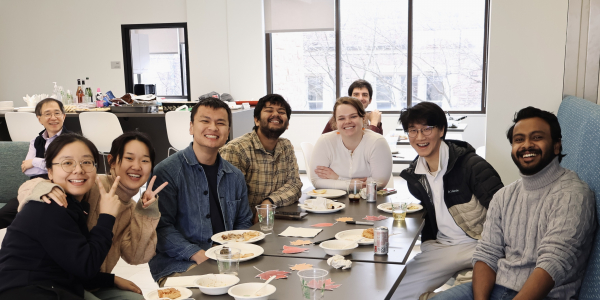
{"points": [[51, 114], [455, 186]]}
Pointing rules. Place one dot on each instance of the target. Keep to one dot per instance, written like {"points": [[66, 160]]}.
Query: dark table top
{"points": [[400, 244], [362, 281]]}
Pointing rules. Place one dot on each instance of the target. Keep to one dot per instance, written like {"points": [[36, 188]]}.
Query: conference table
{"points": [[371, 276]]}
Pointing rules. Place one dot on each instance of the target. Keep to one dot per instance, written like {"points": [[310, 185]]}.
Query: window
{"points": [[315, 92], [444, 59], [156, 54]]}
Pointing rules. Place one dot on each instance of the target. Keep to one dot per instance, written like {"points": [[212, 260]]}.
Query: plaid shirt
{"points": [[273, 176]]}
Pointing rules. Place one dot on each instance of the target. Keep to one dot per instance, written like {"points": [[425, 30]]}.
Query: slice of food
{"points": [[247, 255], [368, 233], [320, 192], [248, 235], [170, 293]]}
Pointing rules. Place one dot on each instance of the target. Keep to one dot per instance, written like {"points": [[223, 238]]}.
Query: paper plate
{"points": [[353, 235], [152, 295], [339, 206], [217, 238], [244, 248], [387, 207], [330, 193]]}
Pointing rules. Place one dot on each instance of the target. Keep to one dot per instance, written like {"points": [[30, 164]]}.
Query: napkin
{"points": [[182, 281], [301, 232], [338, 261]]}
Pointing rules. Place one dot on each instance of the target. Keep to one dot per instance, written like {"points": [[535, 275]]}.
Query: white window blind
{"points": [[299, 15]]}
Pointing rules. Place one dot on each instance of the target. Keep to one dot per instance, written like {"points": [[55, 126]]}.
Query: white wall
{"points": [[526, 67], [46, 41]]}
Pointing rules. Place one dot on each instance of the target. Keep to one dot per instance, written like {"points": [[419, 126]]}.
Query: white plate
{"points": [[244, 248], [339, 206], [217, 237], [330, 193], [353, 235], [185, 293], [387, 207]]}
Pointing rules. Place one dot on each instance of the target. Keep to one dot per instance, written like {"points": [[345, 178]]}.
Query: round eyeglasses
{"points": [[425, 131], [55, 114], [69, 165]]}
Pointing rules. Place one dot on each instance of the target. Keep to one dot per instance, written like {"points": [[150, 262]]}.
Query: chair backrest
{"points": [[178, 129], [307, 149], [13, 154], [101, 128], [23, 126], [579, 122]]}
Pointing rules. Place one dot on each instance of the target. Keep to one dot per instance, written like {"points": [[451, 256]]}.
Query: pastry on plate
{"points": [[170, 293], [368, 233]]}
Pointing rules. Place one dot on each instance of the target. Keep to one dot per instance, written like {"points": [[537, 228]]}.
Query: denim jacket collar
{"points": [[190, 158]]}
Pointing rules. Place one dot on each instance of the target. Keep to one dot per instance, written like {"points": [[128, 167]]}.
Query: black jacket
{"points": [[470, 183], [50, 246]]}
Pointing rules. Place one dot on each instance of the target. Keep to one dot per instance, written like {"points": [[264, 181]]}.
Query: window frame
{"points": [[409, 73], [127, 63]]}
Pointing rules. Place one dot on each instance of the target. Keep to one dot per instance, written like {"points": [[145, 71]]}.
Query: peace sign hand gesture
{"points": [[149, 195], [109, 202]]}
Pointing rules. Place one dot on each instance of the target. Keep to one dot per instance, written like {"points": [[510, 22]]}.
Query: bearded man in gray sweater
{"points": [[538, 233]]}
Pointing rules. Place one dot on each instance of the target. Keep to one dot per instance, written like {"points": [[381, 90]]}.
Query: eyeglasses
{"points": [[69, 165], [425, 131], [56, 114]]}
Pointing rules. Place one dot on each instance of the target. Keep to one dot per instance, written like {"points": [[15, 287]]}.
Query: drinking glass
{"points": [[353, 189], [312, 283], [228, 260], [399, 211], [371, 190], [266, 216]]}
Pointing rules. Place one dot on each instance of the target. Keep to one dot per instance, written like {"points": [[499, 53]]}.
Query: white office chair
{"points": [[23, 126], [178, 130], [102, 128], [307, 149]]}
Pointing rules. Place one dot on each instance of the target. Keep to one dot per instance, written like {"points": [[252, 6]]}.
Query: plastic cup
{"points": [[228, 261], [312, 283], [353, 189], [266, 216], [399, 211]]}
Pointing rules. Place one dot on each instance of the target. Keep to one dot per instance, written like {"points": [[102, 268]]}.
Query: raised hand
{"points": [[326, 173], [149, 195], [375, 117], [109, 202]]}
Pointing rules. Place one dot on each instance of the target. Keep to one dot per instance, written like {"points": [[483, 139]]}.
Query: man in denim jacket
{"points": [[205, 195]]}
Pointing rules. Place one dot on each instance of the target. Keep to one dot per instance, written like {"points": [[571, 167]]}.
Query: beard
{"points": [[272, 133], [547, 157]]}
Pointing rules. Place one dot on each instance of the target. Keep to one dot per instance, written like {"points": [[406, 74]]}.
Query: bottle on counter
{"points": [[79, 92], [88, 90]]}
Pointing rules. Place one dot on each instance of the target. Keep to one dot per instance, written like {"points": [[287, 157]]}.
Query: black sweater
{"points": [[50, 245]]}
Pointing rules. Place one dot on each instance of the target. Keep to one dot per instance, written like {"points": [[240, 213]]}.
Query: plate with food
{"points": [[412, 207], [238, 236], [364, 235], [321, 206], [174, 293], [326, 193], [247, 251]]}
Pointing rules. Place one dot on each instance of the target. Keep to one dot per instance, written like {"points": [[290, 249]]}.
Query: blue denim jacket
{"points": [[183, 228]]}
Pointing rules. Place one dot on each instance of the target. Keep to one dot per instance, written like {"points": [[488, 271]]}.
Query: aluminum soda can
{"points": [[380, 244], [371, 191]]}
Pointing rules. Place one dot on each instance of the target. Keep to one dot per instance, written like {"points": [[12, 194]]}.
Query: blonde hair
{"points": [[349, 101]]}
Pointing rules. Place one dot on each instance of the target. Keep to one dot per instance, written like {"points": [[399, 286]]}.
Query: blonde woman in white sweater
{"points": [[350, 152]]}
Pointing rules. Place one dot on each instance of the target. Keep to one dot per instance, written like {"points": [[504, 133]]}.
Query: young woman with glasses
{"points": [[131, 159], [48, 251], [351, 152]]}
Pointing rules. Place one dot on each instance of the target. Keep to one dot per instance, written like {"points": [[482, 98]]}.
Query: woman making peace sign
{"points": [[132, 159], [48, 251]]}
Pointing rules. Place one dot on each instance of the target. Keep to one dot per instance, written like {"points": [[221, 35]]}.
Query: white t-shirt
{"points": [[448, 232]]}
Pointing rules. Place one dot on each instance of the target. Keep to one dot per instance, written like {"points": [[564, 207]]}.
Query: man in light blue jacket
{"points": [[206, 194]]}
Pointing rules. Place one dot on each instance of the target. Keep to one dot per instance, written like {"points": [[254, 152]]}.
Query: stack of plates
{"points": [[6, 106]]}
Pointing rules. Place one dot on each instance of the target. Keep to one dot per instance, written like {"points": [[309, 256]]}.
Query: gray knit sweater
{"points": [[543, 221]]}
